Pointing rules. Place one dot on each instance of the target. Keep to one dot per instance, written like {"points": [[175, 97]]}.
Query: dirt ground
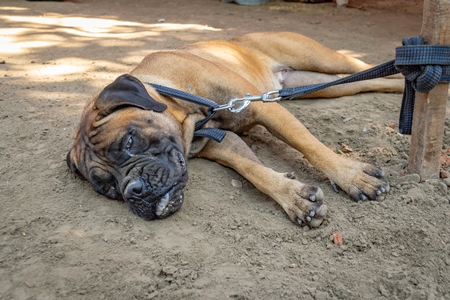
{"points": [[60, 240]]}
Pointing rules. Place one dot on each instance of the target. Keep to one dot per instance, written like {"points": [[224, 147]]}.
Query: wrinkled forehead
{"points": [[113, 126]]}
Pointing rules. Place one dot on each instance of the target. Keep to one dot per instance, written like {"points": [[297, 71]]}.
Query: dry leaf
{"points": [[346, 149]]}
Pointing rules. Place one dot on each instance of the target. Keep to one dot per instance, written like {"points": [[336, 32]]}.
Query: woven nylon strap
{"points": [[211, 133], [382, 70], [423, 66]]}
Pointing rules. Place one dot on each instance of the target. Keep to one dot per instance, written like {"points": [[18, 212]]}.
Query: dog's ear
{"points": [[126, 90]]}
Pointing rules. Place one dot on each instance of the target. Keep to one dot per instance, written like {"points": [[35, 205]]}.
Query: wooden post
{"points": [[429, 109]]}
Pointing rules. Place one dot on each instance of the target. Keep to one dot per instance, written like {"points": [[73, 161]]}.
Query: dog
{"points": [[133, 142]]}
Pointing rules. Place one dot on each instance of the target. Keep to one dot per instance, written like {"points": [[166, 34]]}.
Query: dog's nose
{"points": [[134, 189]]}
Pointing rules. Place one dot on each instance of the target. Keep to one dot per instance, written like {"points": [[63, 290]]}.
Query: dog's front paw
{"points": [[361, 181], [302, 203]]}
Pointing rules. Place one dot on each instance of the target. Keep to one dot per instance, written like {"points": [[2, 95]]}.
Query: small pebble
{"points": [[348, 119], [321, 295], [236, 183], [169, 270], [153, 295], [237, 237], [408, 178], [446, 181], [383, 291]]}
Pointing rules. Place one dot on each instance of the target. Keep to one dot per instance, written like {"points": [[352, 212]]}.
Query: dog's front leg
{"points": [[302, 203], [360, 180]]}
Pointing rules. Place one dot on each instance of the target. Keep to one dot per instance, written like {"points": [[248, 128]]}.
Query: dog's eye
{"points": [[181, 161], [129, 144]]}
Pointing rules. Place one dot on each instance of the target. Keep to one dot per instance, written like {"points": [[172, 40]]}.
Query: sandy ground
{"points": [[60, 240]]}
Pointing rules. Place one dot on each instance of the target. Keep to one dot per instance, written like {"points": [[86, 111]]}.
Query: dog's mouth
{"points": [[163, 204], [169, 203], [151, 207]]}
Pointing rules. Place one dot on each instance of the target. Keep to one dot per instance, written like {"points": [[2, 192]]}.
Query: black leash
{"points": [[424, 66], [212, 133]]}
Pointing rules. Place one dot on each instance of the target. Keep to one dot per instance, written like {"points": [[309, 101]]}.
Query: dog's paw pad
{"points": [[306, 213]]}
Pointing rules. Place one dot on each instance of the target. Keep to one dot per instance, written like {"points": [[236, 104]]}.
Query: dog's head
{"points": [[128, 148]]}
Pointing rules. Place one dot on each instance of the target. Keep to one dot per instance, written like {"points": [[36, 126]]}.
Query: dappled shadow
{"points": [[59, 45], [51, 63]]}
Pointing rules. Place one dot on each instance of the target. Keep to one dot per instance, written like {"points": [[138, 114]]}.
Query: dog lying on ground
{"points": [[132, 142]]}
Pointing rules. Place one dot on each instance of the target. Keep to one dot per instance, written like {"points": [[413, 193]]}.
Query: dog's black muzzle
{"points": [[153, 187]]}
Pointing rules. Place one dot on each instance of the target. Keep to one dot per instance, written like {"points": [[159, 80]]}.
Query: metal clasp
{"points": [[247, 99]]}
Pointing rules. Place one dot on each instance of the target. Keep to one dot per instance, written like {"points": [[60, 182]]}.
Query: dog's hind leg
{"points": [[302, 203], [299, 52]]}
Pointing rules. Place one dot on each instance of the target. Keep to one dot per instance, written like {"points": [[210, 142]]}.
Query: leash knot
{"points": [[428, 79], [423, 66]]}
